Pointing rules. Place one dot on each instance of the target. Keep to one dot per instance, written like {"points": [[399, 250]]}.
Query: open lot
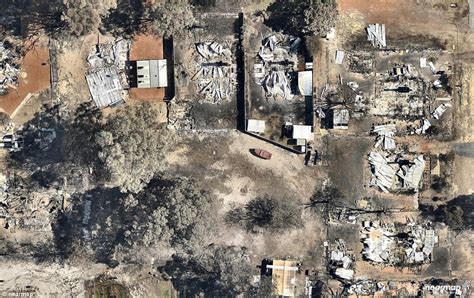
{"points": [[34, 76], [204, 101], [284, 177]]}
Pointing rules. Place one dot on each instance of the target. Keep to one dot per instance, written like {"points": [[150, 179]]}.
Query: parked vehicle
{"points": [[263, 153]]}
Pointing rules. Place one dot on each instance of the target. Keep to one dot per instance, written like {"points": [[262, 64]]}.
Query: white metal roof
{"points": [[257, 126], [302, 132], [339, 57], [305, 82], [152, 73]]}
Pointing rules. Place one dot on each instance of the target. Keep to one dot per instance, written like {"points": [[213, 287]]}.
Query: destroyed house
{"points": [[279, 89], [105, 87], [335, 118], [283, 273]]}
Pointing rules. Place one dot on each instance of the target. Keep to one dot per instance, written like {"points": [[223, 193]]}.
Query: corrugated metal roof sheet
{"points": [[305, 82], [152, 73], [105, 87]]}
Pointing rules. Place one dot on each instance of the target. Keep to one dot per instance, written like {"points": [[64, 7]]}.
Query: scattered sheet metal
{"points": [[210, 50], [109, 54], [279, 47], [388, 175], [376, 34], [440, 110], [9, 70], [383, 173], [386, 135], [425, 124], [395, 244], [106, 77], [277, 85], [279, 54], [216, 75], [105, 87], [412, 175]]}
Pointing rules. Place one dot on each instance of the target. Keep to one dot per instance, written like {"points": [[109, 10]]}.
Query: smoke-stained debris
{"points": [[279, 55], [9, 69], [393, 173], [216, 76], [398, 244]]}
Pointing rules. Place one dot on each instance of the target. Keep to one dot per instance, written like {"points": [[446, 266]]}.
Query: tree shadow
{"points": [[126, 20], [281, 17]]}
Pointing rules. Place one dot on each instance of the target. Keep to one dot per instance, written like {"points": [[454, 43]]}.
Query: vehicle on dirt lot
{"points": [[263, 153]]}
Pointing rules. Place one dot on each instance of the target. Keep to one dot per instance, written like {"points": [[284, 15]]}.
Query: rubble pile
{"points": [[360, 62], [9, 69], [179, 115], [341, 262], [279, 55], [376, 35], [397, 244], [216, 76], [29, 211], [401, 93], [109, 54], [366, 287], [386, 135], [392, 173]]}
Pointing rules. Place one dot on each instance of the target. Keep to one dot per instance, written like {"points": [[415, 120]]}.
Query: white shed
{"points": [[303, 132], [257, 126]]}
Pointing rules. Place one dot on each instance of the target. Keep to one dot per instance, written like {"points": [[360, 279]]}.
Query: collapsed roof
{"points": [[388, 175], [398, 244], [105, 87], [216, 76], [376, 34], [8, 69]]}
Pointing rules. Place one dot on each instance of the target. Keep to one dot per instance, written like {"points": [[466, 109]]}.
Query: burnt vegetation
{"points": [[266, 214]]}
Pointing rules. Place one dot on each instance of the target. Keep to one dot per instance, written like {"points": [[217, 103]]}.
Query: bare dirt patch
{"points": [[420, 19], [146, 47], [34, 77]]}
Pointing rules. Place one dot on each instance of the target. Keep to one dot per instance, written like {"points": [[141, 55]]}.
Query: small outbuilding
{"points": [[283, 273], [256, 126], [305, 82], [151, 73], [302, 132]]}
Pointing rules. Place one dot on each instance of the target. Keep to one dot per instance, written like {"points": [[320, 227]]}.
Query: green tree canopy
{"points": [[131, 146], [303, 17], [172, 18], [216, 271]]}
